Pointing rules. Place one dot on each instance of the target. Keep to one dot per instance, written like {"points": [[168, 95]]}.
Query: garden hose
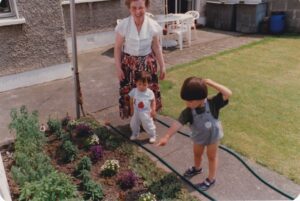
{"points": [[241, 160], [164, 162]]}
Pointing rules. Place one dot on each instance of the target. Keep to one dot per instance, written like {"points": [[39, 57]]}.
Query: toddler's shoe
{"points": [[133, 137], [152, 140]]}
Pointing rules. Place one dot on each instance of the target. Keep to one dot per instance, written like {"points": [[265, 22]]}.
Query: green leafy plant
{"points": [[84, 176], [93, 191], [54, 126], [65, 121], [110, 168], [147, 197], [55, 186], [31, 167], [102, 132], [26, 125], [167, 187], [84, 164], [69, 151]]}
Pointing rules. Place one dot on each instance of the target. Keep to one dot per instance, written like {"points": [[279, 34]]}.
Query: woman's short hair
{"points": [[142, 76], [128, 2], [193, 88]]}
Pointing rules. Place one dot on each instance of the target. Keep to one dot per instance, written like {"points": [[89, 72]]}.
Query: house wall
{"points": [[38, 43], [292, 9], [102, 16]]}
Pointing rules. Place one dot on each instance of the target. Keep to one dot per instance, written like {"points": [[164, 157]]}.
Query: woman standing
{"points": [[137, 48]]}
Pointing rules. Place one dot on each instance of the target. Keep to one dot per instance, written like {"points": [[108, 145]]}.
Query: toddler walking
{"points": [[142, 107], [202, 114]]}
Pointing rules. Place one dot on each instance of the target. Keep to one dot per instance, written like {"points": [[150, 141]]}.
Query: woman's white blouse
{"points": [[138, 44]]}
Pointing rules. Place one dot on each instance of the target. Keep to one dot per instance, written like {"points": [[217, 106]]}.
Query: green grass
{"points": [[262, 120]]}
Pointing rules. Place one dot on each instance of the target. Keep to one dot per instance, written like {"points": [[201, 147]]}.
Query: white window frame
{"points": [[13, 10]]}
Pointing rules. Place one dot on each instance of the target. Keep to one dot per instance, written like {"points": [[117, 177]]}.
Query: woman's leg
{"points": [[198, 152], [212, 156]]}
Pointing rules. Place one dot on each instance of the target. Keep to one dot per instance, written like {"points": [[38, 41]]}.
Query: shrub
{"points": [[127, 180], [84, 176], [102, 133], [54, 125], [84, 164], [167, 187], [30, 167], [110, 168], [65, 121], [69, 151], [83, 130], [28, 135], [147, 197], [55, 186], [72, 125], [96, 153], [93, 191]]}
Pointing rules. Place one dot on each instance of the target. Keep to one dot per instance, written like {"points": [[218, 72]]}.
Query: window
{"points": [[7, 8]]}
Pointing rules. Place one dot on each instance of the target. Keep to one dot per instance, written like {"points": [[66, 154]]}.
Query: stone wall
{"points": [[38, 43], [292, 9], [102, 16]]}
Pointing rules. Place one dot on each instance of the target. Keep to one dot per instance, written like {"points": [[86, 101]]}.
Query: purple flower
{"points": [[96, 152], [83, 130], [127, 180]]}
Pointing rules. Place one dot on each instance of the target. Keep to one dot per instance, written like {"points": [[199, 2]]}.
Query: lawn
{"points": [[262, 119]]}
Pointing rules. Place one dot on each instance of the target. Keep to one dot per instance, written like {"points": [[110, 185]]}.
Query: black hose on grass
{"points": [[242, 161], [164, 162]]}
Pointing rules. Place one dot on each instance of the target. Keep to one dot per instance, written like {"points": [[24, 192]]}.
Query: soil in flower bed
{"points": [[111, 189]]}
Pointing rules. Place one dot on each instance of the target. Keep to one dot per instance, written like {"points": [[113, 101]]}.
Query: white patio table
{"points": [[165, 19]]}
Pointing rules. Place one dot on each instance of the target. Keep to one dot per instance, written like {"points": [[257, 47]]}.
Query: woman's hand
{"points": [[120, 74], [162, 73]]}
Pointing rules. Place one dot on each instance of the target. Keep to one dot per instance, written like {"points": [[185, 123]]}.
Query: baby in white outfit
{"points": [[142, 105]]}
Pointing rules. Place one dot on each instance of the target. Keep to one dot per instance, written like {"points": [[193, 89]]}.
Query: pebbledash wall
{"points": [[41, 41], [102, 15], [292, 9], [37, 43]]}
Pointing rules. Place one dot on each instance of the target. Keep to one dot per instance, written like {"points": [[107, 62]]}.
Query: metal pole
{"points": [[74, 56]]}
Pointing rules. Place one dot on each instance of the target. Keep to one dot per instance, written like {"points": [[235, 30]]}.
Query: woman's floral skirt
{"points": [[130, 66]]}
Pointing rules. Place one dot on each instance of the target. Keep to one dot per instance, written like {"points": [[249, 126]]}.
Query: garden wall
{"points": [[102, 15], [292, 9], [38, 43]]}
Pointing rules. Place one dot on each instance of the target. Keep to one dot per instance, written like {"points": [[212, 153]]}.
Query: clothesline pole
{"points": [[74, 57]]}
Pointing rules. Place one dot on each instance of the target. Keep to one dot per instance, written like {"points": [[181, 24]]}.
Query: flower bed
{"points": [[81, 160]]}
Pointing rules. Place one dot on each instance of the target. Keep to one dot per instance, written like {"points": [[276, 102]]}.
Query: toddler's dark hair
{"points": [[193, 88], [143, 76]]}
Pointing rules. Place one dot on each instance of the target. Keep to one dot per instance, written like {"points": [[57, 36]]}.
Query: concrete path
{"points": [[100, 91]]}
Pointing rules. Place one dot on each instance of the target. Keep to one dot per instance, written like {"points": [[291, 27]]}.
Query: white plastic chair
{"points": [[195, 15], [182, 29], [118, 21]]}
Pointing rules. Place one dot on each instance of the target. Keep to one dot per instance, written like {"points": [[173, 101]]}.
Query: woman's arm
{"points": [[119, 41], [131, 106], [158, 53], [226, 92]]}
